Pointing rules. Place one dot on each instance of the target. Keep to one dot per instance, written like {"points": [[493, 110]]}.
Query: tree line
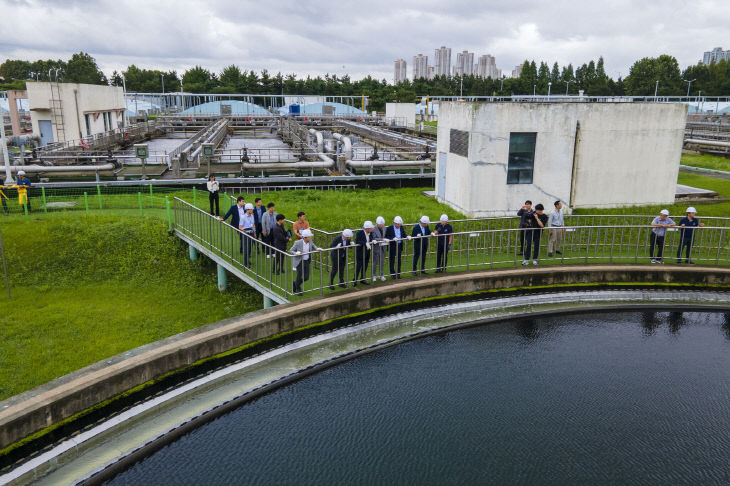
{"points": [[591, 78]]}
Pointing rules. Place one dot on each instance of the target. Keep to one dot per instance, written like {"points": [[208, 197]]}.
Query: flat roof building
{"points": [[494, 156]]}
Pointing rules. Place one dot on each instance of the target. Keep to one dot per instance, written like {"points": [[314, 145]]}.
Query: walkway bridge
{"points": [[478, 244]]}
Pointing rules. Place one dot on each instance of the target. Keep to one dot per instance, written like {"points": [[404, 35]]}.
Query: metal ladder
{"points": [[57, 111]]}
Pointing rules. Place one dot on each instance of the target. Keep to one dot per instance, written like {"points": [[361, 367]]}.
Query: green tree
{"points": [[645, 73], [199, 80], [82, 68]]}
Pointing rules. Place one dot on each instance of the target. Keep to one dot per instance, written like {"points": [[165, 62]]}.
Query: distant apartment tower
{"points": [[517, 71], [442, 61], [487, 67], [431, 72], [464, 64], [400, 73], [420, 66], [715, 55]]}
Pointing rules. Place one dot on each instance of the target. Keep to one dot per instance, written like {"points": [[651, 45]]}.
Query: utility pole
{"points": [[656, 88], [534, 89], [124, 95], [162, 78]]}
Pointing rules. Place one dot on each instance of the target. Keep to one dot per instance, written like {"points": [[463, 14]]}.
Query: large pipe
{"points": [[58, 168], [320, 139], [710, 143], [392, 164], [347, 142]]}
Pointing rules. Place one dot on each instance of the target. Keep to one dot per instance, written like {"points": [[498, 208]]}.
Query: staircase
{"points": [[57, 112]]}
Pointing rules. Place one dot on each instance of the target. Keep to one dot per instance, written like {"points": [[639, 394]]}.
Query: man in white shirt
{"points": [[248, 226], [556, 225], [213, 189]]}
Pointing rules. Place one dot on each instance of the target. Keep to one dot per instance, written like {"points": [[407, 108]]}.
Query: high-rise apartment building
{"points": [[420, 66], [487, 67], [442, 61], [464, 64], [715, 55], [400, 73], [430, 72], [517, 71]]}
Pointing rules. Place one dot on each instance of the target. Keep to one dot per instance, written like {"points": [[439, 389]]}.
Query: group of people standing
{"points": [[532, 221]]}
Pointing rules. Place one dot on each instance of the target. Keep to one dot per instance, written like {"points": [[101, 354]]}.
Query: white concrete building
{"points": [[63, 112], [400, 73], [400, 113], [420, 66], [442, 61], [494, 156]]}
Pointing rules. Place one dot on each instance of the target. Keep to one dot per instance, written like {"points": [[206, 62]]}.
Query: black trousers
{"points": [[259, 235], [246, 244], [420, 249], [302, 275], [442, 255], [278, 257], [361, 265], [658, 242], [394, 258], [532, 242], [686, 244], [213, 198], [338, 267]]}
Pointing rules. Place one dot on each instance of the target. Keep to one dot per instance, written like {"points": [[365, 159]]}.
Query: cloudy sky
{"points": [[358, 38]]}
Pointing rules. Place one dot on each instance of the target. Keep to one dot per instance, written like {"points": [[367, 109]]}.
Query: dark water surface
{"points": [[623, 398]]}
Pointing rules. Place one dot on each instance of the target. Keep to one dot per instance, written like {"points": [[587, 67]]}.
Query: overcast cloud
{"points": [[358, 38]]}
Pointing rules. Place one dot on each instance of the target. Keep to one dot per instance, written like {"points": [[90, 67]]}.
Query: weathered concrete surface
{"points": [[30, 412]]}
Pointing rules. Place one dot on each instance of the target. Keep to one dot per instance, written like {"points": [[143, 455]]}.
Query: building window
{"points": [[521, 159], [106, 122], [88, 124]]}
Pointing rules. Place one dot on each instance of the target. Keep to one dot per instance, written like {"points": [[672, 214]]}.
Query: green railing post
{"points": [[86, 202], [25, 206], [169, 214], [43, 195], [139, 198], [195, 197], [98, 193], [152, 201]]}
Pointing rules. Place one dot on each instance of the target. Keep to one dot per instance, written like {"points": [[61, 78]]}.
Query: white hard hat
{"points": [[444, 217], [367, 225], [248, 206], [398, 220], [425, 220], [691, 210], [347, 234], [380, 220], [664, 211], [21, 172], [306, 233]]}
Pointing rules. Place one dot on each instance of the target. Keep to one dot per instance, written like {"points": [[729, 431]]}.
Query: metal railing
{"points": [[615, 241]]}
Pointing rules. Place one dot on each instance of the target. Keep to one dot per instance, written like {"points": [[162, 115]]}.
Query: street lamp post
{"points": [[162, 78], [567, 85], [501, 83], [656, 88], [689, 84], [550, 84], [125, 118], [534, 89]]}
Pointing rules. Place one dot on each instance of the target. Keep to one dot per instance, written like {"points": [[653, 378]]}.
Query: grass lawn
{"points": [[706, 161]]}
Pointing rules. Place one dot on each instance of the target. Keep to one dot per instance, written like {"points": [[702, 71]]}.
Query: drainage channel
{"points": [[136, 432]]}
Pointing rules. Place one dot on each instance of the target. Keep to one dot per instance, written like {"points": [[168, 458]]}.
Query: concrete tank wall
{"points": [[625, 154], [402, 112]]}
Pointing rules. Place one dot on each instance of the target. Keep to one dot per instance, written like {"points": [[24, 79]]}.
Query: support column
{"points": [[193, 252], [268, 302], [222, 278]]}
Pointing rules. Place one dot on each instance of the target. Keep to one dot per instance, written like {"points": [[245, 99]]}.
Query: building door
{"points": [[46, 129], [441, 184]]}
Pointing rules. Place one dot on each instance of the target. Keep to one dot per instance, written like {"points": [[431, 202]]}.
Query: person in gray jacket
{"points": [[301, 249], [379, 245], [268, 221]]}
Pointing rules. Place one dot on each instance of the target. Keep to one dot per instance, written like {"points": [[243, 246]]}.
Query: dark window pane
{"points": [[521, 159]]}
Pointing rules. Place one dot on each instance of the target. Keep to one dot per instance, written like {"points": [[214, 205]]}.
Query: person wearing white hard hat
{"points": [[444, 240], [658, 232], [248, 226], [23, 184], [687, 234], [364, 244], [420, 232], [236, 213], [341, 244], [302, 251], [395, 235], [379, 244]]}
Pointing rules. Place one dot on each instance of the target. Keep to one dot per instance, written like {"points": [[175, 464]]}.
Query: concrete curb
{"points": [[33, 411]]}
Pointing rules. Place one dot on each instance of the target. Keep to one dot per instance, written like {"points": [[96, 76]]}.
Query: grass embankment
{"points": [[706, 161], [87, 288]]}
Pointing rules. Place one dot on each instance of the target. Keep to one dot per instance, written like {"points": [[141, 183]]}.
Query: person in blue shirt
{"points": [[687, 233], [23, 184], [420, 232], [395, 234], [444, 239], [248, 226]]}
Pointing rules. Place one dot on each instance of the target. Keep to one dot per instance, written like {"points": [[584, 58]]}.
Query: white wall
{"points": [[627, 154], [403, 112], [77, 100]]}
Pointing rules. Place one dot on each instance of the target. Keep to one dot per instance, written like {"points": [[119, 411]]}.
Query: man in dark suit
{"points": [[339, 257], [420, 233], [279, 239], [236, 213], [395, 234], [363, 240], [258, 214]]}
